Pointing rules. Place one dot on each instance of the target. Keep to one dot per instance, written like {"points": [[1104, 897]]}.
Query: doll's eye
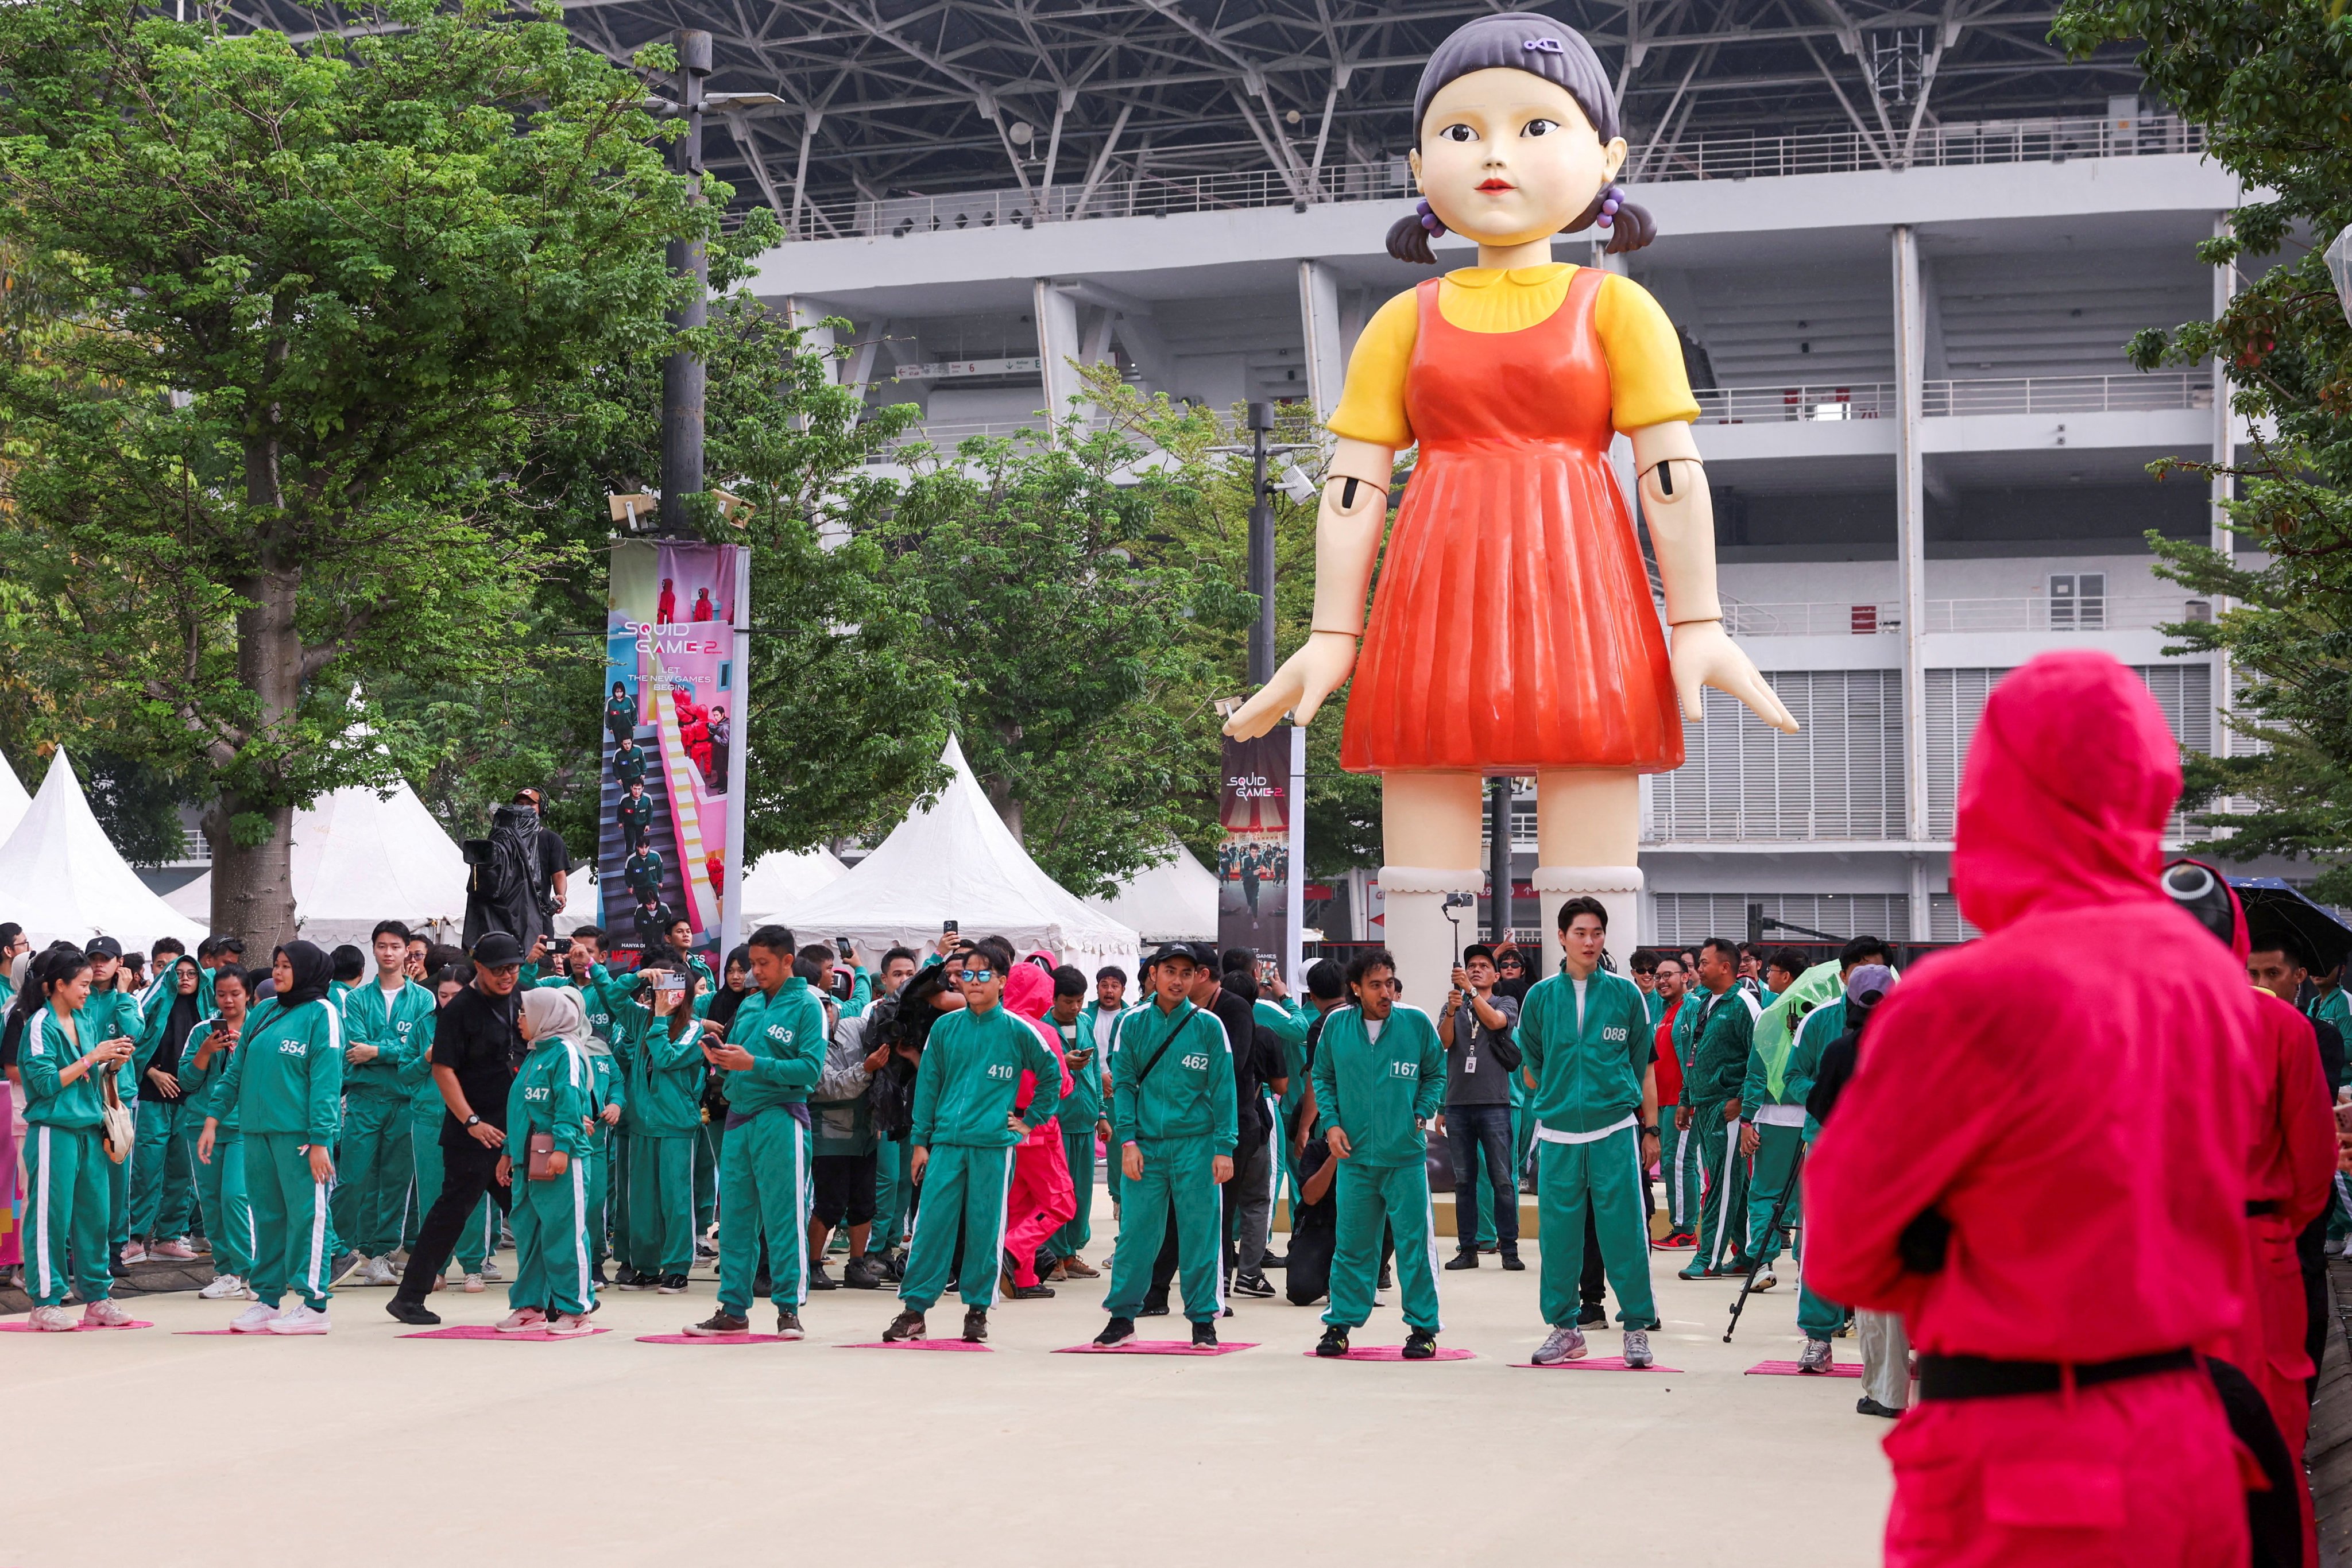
{"points": [[1539, 127], [1458, 133]]}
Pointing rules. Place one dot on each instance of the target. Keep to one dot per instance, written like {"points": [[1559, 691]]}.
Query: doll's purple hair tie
{"points": [[1430, 221], [1611, 200]]}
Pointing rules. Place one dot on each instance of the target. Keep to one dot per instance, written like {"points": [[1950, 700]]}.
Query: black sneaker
{"points": [[1253, 1284], [1154, 1307], [1421, 1345], [763, 1284], [597, 1274], [976, 1325], [908, 1324], [1204, 1336], [719, 1323], [1591, 1312], [1465, 1260], [818, 1279], [1273, 1260], [1388, 1281], [625, 1278], [788, 1323], [894, 1267], [705, 1251], [1511, 1264], [1030, 1292], [1334, 1341], [409, 1311], [1866, 1406], [862, 1273], [1118, 1331], [670, 1285]]}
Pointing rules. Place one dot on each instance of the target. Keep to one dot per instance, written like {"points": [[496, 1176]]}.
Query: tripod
{"points": [[1771, 1227]]}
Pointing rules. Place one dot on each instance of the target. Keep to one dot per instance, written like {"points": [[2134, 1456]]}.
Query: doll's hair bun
{"points": [[1410, 235], [1628, 225]]}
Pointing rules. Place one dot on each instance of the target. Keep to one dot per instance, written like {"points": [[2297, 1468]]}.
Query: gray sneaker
{"points": [[1815, 1357], [1637, 1348], [1565, 1343]]}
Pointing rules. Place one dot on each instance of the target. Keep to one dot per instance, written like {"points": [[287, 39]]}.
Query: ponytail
{"points": [[1409, 236]]}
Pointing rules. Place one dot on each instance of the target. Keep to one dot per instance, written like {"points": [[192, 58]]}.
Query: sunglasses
{"points": [[974, 976]]}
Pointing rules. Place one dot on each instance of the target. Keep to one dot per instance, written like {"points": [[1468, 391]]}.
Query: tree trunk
{"points": [[253, 889], [1007, 804]]}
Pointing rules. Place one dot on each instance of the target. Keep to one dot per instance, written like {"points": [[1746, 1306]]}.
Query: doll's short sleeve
{"points": [[1647, 381], [1371, 401]]}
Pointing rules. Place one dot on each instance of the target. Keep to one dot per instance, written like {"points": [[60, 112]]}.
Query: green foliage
{"points": [[2272, 83]]}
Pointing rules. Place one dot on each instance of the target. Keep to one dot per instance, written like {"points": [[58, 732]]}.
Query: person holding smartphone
{"points": [[64, 1063]]}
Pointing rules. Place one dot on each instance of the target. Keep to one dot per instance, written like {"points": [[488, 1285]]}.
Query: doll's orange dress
{"points": [[1512, 627]]}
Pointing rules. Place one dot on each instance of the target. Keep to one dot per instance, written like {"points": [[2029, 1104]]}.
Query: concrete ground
{"points": [[362, 1448]]}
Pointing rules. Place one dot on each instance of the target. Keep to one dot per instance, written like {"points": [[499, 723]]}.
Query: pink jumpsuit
{"points": [[2084, 1135], [1042, 1197]]}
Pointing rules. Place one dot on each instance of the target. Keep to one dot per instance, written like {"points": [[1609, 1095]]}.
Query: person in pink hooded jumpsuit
{"points": [[2045, 1171], [1043, 1199]]}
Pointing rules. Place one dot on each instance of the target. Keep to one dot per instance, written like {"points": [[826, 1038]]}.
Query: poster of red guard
{"points": [[1254, 860], [671, 701]]}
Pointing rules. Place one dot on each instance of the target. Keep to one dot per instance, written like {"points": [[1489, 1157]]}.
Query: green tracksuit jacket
{"points": [[111, 1014], [971, 1070], [47, 1053], [1720, 1030], [553, 1093], [665, 1073], [1188, 1091], [1588, 1075], [287, 1077], [1378, 1091], [785, 1033], [390, 1026]]}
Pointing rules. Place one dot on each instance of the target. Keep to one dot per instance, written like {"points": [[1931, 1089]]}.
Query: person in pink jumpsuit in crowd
{"points": [[2044, 1172], [1043, 1199]]}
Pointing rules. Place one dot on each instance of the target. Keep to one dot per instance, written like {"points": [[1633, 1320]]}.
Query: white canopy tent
{"points": [[1175, 900], [360, 858], [60, 878], [14, 801], [956, 859], [778, 881], [580, 901]]}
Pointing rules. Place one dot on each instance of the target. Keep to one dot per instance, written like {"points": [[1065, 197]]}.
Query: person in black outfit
{"points": [[476, 1048]]}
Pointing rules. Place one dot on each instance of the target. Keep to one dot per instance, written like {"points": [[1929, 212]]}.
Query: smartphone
{"points": [[949, 928], [841, 944], [675, 985]]}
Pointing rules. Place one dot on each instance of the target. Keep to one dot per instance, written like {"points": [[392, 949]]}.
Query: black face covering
{"points": [[313, 970]]}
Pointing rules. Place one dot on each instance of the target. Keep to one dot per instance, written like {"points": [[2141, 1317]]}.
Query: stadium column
{"points": [[1911, 562], [1058, 345], [1327, 357]]}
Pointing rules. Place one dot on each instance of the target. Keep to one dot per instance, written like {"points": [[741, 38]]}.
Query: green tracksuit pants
{"points": [[1678, 1165], [163, 1189], [293, 1233], [478, 1240], [965, 1192], [893, 1195], [763, 1191], [706, 1145], [603, 1194], [229, 1218], [1177, 1174], [1723, 1218], [65, 1214], [660, 1236], [553, 1269], [117, 1199], [1605, 1176], [1078, 1148], [372, 1172], [1396, 1197], [1775, 1161]]}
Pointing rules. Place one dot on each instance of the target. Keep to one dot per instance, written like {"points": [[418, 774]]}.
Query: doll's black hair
{"points": [[1524, 41]]}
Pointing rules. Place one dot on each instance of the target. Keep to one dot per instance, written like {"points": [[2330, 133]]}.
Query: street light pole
{"points": [[1261, 548], [682, 373]]}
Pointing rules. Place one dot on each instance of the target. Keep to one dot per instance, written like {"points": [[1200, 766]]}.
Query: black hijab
{"points": [[313, 970]]}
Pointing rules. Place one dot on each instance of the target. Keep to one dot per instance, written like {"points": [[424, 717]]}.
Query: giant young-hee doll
{"points": [[1512, 630]]}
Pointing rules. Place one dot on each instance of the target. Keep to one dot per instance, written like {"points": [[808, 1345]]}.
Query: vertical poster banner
{"points": [[1254, 862], [672, 679]]}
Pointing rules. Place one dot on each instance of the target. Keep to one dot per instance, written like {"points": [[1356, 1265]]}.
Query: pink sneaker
{"points": [[177, 1251], [134, 1253], [522, 1320], [105, 1313]]}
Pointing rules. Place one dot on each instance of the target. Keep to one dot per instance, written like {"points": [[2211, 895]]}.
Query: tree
{"points": [[2271, 84], [321, 299]]}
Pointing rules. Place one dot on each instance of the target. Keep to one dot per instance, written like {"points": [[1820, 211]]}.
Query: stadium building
{"points": [[1905, 247]]}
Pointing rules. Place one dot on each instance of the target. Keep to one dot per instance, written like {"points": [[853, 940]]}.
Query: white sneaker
{"points": [[223, 1288], [379, 1272], [53, 1320], [1814, 1357], [490, 1271], [473, 1284], [303, 1319], [522, 1320], [1565, 1343], [1637, 1348], [569, 1325], [255, 1319], [1765, 1280], [105, 1313]]}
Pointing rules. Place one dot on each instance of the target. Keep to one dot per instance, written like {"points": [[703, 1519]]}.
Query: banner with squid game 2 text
{"points": [[671, 717], [1254, 872]]}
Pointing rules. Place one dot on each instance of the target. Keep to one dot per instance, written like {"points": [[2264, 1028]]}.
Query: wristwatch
{"points": [[1650, 1128], [473, 1121]]}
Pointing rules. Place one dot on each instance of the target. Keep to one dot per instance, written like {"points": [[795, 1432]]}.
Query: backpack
{"points": [[506, 864]]}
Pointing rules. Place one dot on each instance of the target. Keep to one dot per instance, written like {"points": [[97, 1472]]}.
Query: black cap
{"points": [[497, 950], [1173, 952], [103, 946]]}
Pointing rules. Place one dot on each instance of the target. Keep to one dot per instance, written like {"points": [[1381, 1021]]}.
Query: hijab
{"points": [[554, 1012], [314, 971]]}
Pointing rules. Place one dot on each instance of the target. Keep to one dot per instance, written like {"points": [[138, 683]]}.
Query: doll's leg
{"points": [[1588, 827], [1429, 836]]}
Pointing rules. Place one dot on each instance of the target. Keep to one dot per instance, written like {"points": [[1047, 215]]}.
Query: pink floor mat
{"points": [[1396, 1352], [483, 1331], [916, 1344], [23, 1327], [1594, 1364], [1155, 1347], [1788, 1369], [712, 1339]]}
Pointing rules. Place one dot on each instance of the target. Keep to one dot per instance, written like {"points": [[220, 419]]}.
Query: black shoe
{"points": [[669, 1285], [705, 1252], [1154, 1307], [1273, 1260], [409, 1311], [625, 1278], [906, 1325], [1253, 1284], [1388, 1280], [1866, 1406], [1589, 1313], [788, 1323], [1334, 1341], [1204, 1336], [1421, 1345], [862, 1273], [1118, 1331], [719, 1323], [818, 1279], [894, 1267], [763, 1284], [976, 1325], [1512, 1265], [597, 1274], [1031, 1292], [1464, 1259]]}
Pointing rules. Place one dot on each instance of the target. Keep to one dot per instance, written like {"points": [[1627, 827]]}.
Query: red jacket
{"points": [[2086, 1135], [1670, 1066]]}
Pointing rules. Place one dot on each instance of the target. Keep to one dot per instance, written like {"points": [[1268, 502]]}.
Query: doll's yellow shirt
{"points": [[1646, 381]]}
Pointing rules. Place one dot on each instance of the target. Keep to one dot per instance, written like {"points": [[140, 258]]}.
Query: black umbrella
{"points": [[2273, 907]]}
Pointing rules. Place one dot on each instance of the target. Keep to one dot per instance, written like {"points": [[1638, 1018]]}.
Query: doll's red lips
{"points": [[1497, 185]]}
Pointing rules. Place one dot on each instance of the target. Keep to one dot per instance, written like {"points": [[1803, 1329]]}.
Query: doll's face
{"points": [[1507, 158]]}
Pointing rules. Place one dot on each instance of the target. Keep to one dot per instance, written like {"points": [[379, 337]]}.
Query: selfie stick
{"points": [[1772, 1227]]}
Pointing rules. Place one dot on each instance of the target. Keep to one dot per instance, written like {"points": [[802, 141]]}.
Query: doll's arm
{"points": [[1347, 539], [1681, 514]]}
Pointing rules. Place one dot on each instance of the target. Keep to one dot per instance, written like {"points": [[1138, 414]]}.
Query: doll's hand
{"points": [[1703, 655], [1308, 676]]}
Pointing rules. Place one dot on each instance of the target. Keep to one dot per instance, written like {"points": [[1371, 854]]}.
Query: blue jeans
{"points": [[1471, 1132]]}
